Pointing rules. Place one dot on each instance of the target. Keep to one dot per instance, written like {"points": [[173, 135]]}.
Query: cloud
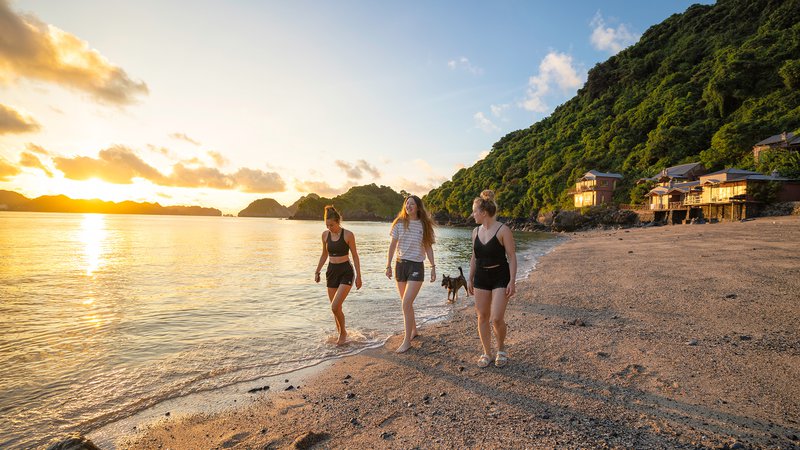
{"points": [[483, 154], [610, 39], [161, 150], [319, 187], [13, 121], [120, 165], [356, 171], [253, 180], [7, 170], [30, 160], [426, 178], [184, 137], [556, 69], [497, 110], [483, 123], [219, 160], [116, 164], [36, 149], [464, 64], [32, 49]]}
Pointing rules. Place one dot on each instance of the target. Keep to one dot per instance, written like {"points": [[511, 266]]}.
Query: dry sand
{"points": [[681, 336]]}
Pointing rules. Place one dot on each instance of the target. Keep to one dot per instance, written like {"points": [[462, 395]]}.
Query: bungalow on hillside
{"points": [[595, 188], [780, 142], [735, 194], [730, 194], [676, 174], [672, 196]]}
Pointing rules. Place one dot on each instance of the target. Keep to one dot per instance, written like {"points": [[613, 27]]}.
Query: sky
{"points": [[219, 103]]}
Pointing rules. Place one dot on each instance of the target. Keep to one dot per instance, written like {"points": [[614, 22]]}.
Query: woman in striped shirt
{"points": [[412, 238]]}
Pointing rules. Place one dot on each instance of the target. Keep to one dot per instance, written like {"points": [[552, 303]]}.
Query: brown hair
{"points": [[486, 202], [428, 237], [332, 214]]}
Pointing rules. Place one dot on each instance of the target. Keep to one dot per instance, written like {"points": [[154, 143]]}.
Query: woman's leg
{"points": [[337, 299], [409, 295], [498, 317], [331, 296], [483, 305]]}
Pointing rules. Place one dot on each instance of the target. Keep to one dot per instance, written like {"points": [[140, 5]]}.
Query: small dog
{"points": [[453, 284]]}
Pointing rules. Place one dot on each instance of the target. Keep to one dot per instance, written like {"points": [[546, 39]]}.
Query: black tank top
{"points": [[491, 253], [338, 248]]}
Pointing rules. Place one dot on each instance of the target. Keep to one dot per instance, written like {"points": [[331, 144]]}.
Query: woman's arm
{"points": [[322, 258], [471, 275], [429, 252], [507, 239], [392, 248], [352, 243]]}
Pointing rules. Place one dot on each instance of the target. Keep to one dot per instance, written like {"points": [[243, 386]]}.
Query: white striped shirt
{"points": [[409, 241]]}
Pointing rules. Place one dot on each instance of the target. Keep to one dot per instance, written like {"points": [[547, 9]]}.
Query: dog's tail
{"points": [[462, 272]]}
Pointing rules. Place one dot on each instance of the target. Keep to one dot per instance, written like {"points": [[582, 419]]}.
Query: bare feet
{"points": [[414, 334], [403, 347], [342, 339]]}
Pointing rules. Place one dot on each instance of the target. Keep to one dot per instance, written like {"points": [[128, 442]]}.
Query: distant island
{"points": [[369, 202], [268, 207], [13, 201]]}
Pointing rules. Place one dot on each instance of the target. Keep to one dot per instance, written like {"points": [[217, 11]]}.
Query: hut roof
{"points": [[593, 174], [788, 138]]}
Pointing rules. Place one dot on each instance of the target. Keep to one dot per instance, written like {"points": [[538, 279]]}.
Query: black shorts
{"points": [[405, 270], [341, 273], [492, 278]]}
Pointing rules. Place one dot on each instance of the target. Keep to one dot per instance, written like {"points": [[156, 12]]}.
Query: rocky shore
{"points": [[665, 337]]}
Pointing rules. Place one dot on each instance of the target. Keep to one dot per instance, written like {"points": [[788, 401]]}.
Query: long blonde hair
{"points": [[428, 237]]}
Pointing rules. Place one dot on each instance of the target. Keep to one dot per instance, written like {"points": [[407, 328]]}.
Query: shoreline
{"points": [[606, 349], [215, 400]]}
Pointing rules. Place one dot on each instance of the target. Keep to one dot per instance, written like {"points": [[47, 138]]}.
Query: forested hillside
{"points": [[704, 85], [369, 202]]}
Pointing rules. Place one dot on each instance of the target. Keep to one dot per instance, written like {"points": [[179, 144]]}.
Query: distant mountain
{"points": [[265, 207], [12, 201], [294, 206], [702, 86], [369, 202]]}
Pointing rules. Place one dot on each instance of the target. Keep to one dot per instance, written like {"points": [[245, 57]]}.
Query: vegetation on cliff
{"points": [[265, 207], [704, 85], [369, 202]]}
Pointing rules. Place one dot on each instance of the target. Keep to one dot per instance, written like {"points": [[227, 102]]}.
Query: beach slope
{"points": [[663, 337]]}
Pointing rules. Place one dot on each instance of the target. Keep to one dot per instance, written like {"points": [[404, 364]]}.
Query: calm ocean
{"points": [[103, 316]]}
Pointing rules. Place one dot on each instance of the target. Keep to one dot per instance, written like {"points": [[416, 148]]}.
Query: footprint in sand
{"points": [[234, 440]]}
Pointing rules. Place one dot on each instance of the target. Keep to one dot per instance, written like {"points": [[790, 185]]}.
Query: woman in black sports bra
{"points": [[492, 275], [336, 244]]}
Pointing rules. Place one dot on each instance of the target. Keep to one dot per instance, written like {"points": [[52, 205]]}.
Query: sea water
{"points": [[103, 316]]}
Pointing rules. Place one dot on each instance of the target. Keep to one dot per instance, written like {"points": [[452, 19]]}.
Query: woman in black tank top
{"points": [[337, 244], [492, 275]]}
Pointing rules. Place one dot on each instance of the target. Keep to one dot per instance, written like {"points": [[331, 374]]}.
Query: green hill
{"points": [[265, 207], [369, 202], [704, 85]]}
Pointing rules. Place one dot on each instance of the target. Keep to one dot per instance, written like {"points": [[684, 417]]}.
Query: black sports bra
{"points": [[491, 253], [339, 247]]}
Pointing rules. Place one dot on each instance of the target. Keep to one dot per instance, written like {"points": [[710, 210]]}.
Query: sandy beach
{"points": [[680, 336]]}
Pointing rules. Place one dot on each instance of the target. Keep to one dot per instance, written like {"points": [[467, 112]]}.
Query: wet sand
{"points": [[666, 337]]}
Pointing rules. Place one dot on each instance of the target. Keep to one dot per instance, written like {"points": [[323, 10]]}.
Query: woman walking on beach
{"points": [[492, 275], [336, 244], [412, 237]]}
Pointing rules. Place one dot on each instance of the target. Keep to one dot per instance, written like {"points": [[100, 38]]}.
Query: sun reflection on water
{"points": [[93, 235]]}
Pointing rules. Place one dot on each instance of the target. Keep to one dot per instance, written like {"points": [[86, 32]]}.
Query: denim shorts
{"points": [[405, 270], [341, 273], [492, 278]]}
